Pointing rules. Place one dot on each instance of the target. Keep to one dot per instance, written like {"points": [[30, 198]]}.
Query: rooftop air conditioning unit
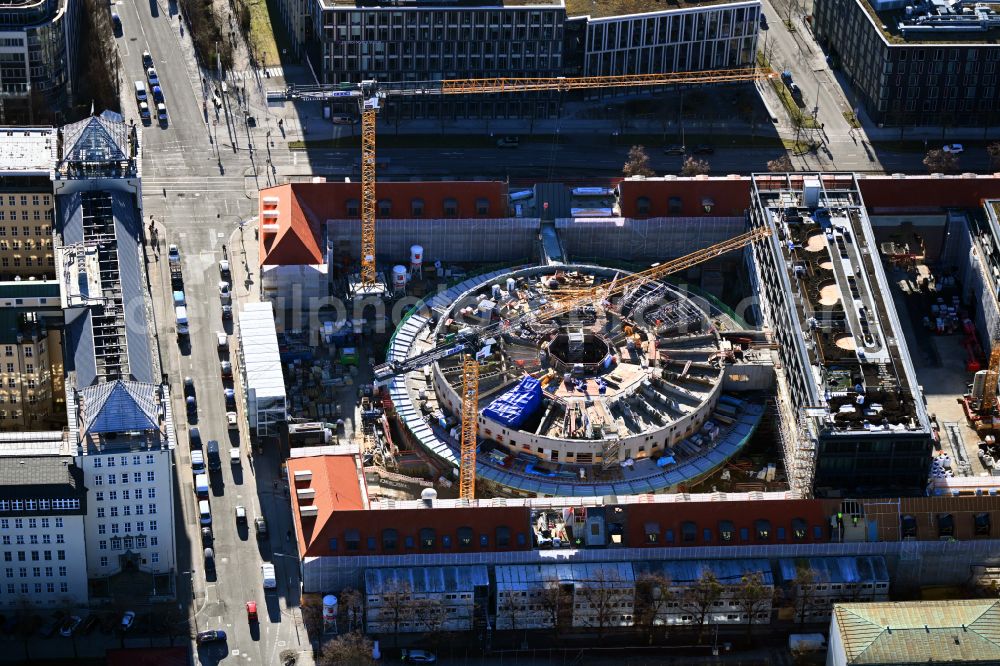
{"points": [[309, 511], [303, 475]]}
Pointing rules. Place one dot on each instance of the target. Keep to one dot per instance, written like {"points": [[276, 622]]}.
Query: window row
{"points": [[126, 494], [36, 572], [727, 532], [50, 588], [126, 510], [128, 542], [36, 555], [32, 523], [944, 525], [449, 206], [140, 525], [36, 200], [427, 538], [113, 478], [39, 505], [123, 461], [36, 215]]}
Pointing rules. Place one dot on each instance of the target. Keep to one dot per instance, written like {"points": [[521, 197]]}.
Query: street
{"points": [[196, 196]]}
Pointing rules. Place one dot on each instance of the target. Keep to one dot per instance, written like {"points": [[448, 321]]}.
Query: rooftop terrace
{"points": [[935, 21], [26, 151]]}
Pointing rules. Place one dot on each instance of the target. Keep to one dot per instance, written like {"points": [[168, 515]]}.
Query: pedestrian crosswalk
{"points": [[268, 72]]}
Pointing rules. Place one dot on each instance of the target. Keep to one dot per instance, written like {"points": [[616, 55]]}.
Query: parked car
{"points": [[251, 611], [227, 369], [241, 514], [151, 76], [509, 142], [195, 436], [222, 340], [227, 312], [70, 625], [954, 148], [224, 293], [260, 526], [192, 405], [232, 421], [161, 111], [128, 619], [173, 254], [147, 59], [206, 535], [158, 94], [144, 112], [213, 636], [703, 149], [674, 149], [224, 269], [419, 657], [230, 396], [188, 386], [116, 24]]}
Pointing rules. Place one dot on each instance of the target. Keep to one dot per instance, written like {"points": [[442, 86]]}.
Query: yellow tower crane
{"points": [[371, 94]]}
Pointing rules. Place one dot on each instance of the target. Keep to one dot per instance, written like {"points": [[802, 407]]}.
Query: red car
{"points": [[251, 611]]}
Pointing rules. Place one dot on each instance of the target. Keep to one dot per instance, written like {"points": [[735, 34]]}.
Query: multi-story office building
{"points": [[645, 37], [915, 64], [42, 506], [32, 393], [855, 420], [27, 163], [38, 56], [395, 42]]}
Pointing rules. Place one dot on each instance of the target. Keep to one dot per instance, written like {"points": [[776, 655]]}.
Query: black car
{"points": [[206, 535], [675, 149], [703, 149], [195, 436], [188, 387]]}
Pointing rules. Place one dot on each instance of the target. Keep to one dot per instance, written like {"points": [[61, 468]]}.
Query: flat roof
{"points": [[27, 151], [397, 5], [888, 21], [599, 9], [259, 345]]}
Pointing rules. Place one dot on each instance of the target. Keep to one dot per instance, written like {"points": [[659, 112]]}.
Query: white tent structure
{"points": [[260, 369]]}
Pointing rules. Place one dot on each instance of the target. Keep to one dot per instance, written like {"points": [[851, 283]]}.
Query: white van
{"points": [[140, 91], [181, 313], [201, 486], [267, 574], [205, 512], [234, 456], [197, 462]]}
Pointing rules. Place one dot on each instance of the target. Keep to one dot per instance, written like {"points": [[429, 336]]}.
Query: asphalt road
{"points": [[198, 196]]}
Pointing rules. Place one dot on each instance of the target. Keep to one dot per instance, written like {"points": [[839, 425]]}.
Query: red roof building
{"points": [[292, 215]]}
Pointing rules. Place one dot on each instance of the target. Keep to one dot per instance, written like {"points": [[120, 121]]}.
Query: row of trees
{"points": [[637, 164], [655, 598]]}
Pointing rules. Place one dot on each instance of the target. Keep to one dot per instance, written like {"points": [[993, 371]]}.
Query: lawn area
{"points": [[652, 142], [799, 147], [262, 33], [852, 119]]}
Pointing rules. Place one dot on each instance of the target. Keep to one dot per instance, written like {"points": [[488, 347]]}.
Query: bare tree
{"points": [[353, 603], [694, 167], [752, 596], [700, 597], [555, 601], [510, 608], [312, 615], [804, 592], [781, 164], [993, 150], [431, 614], [637, 163], [940, 161], [604, 594], [397, 606], [652, 594], [351, 649]]}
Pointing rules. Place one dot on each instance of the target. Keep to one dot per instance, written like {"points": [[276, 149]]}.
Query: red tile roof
{"points": [[304, 207], [339, 484]]}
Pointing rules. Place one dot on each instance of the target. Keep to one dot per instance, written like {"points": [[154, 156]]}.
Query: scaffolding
{"points": [[110, 347]]}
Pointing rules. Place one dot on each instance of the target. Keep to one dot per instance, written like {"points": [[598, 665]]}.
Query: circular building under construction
{"points": [[614, 396]]}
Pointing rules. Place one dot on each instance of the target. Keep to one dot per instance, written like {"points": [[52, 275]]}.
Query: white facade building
{"points": [[42, 506], [129, 517]]}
